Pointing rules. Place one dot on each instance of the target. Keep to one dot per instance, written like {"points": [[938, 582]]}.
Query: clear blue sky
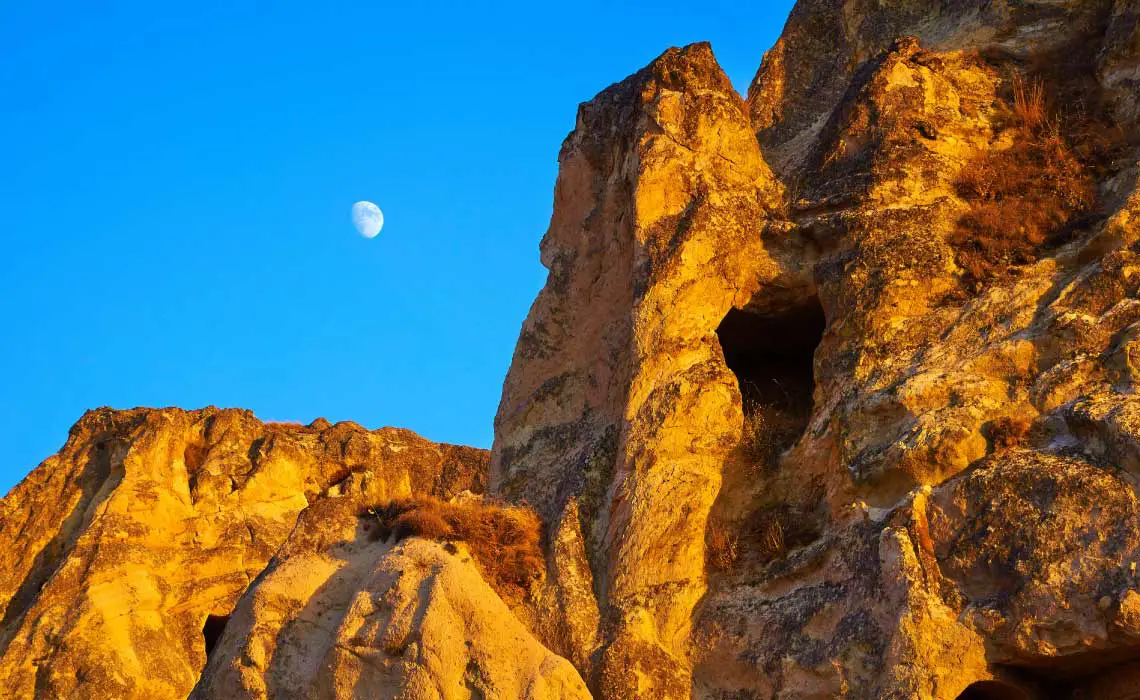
{"points": [[176, 179]]}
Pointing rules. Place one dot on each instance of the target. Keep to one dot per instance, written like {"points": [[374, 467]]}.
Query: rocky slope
{"points": [[830, 393]]}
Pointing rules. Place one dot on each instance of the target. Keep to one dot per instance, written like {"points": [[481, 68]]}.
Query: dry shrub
{"points": [[768, 431], [723, 545], [422, 522], [1023, 197], [504, 540], [1006, 432], [779, 528]]}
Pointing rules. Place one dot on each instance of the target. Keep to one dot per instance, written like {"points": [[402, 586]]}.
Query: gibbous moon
{"points": [[367, 218]]}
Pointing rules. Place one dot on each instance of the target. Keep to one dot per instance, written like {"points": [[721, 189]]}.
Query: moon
{"points": [[367, 218]]}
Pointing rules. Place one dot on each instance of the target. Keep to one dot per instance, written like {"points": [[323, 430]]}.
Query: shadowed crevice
{"points": [[213, 630], [992, 690]]}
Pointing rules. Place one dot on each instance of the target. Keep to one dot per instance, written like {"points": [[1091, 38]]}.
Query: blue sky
{"points": [[176, 182]]}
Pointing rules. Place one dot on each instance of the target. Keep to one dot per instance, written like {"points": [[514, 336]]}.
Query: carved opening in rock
{"points": [[213, 629], [992, 690], [772, 356]]}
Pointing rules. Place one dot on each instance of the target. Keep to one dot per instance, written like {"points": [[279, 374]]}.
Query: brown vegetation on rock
{"points": [[1024, 195], [505, 541], [1007, 432]]}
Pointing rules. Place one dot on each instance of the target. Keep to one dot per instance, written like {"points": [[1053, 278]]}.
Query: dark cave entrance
{"points": [[992, 690], [772, 356], [213, 629]]}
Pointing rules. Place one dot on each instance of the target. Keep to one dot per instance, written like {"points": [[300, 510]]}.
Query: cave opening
{"points": [[772, 356], [213, 629], [992, 690]]}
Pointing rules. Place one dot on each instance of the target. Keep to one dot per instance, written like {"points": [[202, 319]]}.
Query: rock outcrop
{"points": [[125, 553], [342, 612], [845, 410], [831, 393], [618, 414]]}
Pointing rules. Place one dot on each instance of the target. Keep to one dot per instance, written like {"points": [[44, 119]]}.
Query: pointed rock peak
{"points": [[692, 66]]}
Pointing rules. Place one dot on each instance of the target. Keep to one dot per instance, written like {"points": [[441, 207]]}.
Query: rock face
{"points": [[845, 409], [618, 414], [340, 613], [831, 393], [123, 549]]}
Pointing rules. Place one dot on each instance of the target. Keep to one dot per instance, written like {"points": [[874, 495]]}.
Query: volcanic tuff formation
{"points": [[831, 392], [124, 554]]}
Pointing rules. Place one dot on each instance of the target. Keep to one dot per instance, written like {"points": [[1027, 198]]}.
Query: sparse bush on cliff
{"points": [[768, 431], [504, 540], [1006, 432], [723, 545], [1024, 196]]}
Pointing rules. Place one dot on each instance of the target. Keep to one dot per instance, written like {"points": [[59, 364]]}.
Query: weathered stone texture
{"points": [[959, 506], [117, 549]]}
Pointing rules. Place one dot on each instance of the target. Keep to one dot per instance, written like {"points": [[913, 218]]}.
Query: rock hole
{"points": [[992, 690], [213, 629], [772, 356]]}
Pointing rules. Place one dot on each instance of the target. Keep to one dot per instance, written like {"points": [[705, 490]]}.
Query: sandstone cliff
{"points": [[830, 393], [845, 409]]}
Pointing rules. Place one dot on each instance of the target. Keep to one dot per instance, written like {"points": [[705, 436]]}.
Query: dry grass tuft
{"points": [[779, 528], [504, 540], [771, 538], [1023, 197], [1006, 432], [723, 545], [1030, 106], [766, 535], [768, 431]]}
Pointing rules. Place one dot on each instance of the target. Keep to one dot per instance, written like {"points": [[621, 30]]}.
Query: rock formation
{"points": [[343, 613], [125, 553], [830, 393], [844, 410]]}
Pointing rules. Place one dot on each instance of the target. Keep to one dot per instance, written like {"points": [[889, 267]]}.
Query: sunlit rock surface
{"points": [[343, 613], [117, 550], [847, 410]]}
